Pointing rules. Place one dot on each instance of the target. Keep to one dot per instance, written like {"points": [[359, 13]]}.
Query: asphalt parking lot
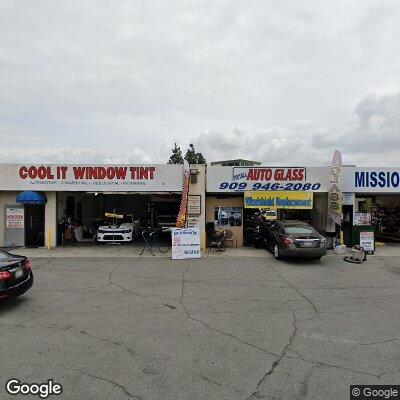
{"points": [[215, 328]]}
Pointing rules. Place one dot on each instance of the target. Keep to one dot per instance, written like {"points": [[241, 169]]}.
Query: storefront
{"points": [[371, 203], [227, 207], [43, 204], [48, 204]]}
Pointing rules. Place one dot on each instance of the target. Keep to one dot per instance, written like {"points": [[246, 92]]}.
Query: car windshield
{"points": [[118, 221], [126, 220], [300, 229], [3, 255]]}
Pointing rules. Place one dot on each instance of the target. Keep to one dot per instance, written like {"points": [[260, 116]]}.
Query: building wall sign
{"points": [[240, 179], [193, 221], [372, 180], [102, 178], [194, 204], [278, 200], [348, 199], [15, 218]]}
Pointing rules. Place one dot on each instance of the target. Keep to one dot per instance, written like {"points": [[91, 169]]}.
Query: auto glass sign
{"points": [[278, 200], [335, 190], [269, 174], [261, 178]]}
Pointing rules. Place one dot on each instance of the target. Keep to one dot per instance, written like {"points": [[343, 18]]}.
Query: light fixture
{"points": [[193, 175]]}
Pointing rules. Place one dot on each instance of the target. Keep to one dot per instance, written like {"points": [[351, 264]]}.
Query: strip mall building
{"points": [[38, 201]]}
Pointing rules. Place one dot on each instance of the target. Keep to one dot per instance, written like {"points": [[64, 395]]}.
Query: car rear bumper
{"points": [[303, 252], [17, 290]]}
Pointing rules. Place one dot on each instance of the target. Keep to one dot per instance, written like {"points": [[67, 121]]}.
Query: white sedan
{"points": [[124, 232]]}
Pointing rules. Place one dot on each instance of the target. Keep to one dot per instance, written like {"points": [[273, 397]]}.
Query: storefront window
{"points": [[228, 216]]}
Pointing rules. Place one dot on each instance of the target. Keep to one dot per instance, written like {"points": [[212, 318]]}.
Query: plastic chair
{"points": [[230, 237], [78, 232], [215, 239]]}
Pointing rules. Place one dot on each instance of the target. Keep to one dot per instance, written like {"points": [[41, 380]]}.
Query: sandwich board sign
{"points": [[185, 243], [367, 241]]}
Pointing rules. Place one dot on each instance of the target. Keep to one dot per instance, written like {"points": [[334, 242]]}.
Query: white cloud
{"points": [[110, 81]]}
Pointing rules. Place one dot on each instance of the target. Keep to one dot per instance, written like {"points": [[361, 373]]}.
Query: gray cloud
{"points": [[377, 131], [274, 81]]}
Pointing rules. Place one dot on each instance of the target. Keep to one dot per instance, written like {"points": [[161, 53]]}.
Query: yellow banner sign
{"points": [[278, 199], [111, 215]]}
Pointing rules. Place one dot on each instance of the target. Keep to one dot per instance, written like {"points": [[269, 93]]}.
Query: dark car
{"points": [[292, 238], [15, 275]]}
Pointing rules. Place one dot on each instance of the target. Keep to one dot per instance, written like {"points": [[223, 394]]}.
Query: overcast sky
{"points": [[282, 82]]}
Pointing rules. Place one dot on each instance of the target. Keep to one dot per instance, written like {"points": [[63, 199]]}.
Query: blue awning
{"points": [[31, 198]]}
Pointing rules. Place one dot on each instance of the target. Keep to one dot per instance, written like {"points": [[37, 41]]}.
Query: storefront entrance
{"points": [[34, 225], [380, 212]]}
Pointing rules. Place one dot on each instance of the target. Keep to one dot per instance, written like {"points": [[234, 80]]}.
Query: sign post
{"points": [[114, 217]]}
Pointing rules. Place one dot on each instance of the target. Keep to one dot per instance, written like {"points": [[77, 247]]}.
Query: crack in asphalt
{"points": [[230, 335], [129, 291], [379, 342], [324, 364], [102, 339], [281, 356], [296, 289], [114, 383], [284, 354], [114, 343]]}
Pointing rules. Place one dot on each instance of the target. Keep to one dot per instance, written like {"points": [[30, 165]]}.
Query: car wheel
{"points": [[276, 252]]}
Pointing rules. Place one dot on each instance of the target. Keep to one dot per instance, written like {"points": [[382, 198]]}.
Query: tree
{"points": [[176, 156], [200, 159], [192, 157]]}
